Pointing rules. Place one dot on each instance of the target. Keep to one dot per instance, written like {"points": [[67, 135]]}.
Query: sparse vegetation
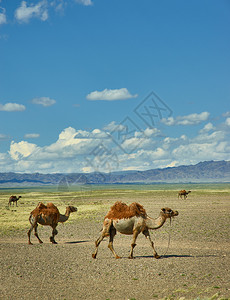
{"points": [[194, 266]]}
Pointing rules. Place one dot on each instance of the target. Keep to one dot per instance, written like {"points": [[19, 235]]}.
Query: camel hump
{"points": [[48, 210], [121, 210]]}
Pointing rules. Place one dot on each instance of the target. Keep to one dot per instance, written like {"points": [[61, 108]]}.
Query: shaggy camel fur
{"points": [[131, 220], [47, 215], [183, 193], [14, 199]]}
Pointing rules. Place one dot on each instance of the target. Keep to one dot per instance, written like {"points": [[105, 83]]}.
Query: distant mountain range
{"points": [[208, 171]]}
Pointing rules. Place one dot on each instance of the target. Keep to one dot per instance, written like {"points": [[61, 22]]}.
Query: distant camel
{"points": [[14, 199], [131, 220], [183, 193], [47, 215]]}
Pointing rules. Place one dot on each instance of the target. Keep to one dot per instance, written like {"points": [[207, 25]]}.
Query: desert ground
{"points": [[195, 248]]}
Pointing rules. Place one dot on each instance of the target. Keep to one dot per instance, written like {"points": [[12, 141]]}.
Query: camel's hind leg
{"points": [[54, 232], [105, 232], [29, 233], [34, 225], [147, 235], [36, 233], [112, 233]]}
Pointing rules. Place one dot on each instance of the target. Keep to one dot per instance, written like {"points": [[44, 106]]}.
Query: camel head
{"points": [[168, 212], [71, 209]]}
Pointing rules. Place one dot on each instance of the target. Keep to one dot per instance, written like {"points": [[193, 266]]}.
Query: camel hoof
{"points": [[157, 256], [117, 257], [29, 243], [94, 256], [131, 257]]}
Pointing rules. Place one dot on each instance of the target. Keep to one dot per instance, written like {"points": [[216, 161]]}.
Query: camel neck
{"points": [[155, 223], [64, 218]]}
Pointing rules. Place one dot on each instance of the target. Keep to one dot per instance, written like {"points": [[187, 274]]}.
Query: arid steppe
{"points": [[195, 249]]}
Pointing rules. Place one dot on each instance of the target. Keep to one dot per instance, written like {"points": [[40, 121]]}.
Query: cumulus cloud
{"points": [[78, 150], [44, 101], [110, 95], [12, 107], [21, 149], [24, 13], [2, 16], [31, 135], [192, 119]]}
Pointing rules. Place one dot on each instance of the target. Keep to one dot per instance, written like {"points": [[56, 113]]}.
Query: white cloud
{"points": [[208, 127], [3, 136], [31, 135], [226, 114], [25, 13], [44, 101], [192, 119], [110, 95], [227, 121], [84, 2], [21, 149], [2, 16], [94, 150], [114, 127], [12, 107]]}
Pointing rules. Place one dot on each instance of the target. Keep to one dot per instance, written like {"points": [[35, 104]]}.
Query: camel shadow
{"points": [[176, 256], [76, 242], [166, 256]]}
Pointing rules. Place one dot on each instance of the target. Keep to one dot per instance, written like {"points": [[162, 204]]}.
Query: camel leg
{"points": [[105, 232], [97, 243], [112, 233], [147, 235], [133, 245], [36, 233], [29, 233], [54, 232]]}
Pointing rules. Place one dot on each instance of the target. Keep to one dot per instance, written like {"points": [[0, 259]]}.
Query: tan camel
{"points": [[183, 193], [14, 199], [131, 220], [47, 215]]}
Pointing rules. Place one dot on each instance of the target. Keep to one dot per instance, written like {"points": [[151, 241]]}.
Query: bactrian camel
{"points": [[131, 220], [14, 199], [47, 215], [183, 193]]}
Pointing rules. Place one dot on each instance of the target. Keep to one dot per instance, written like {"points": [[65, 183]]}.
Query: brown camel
{"points": [[131, 220], [14, 199], [47, 215], [183, 193]]}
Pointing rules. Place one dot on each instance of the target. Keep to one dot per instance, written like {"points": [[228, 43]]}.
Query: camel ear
{"points": [[163, 209]]}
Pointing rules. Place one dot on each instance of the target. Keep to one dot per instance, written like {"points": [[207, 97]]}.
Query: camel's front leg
{"points": [[133, 245], [147, 235]]}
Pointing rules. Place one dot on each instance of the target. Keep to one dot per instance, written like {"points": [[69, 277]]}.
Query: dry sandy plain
{"points": [[196, 265]]}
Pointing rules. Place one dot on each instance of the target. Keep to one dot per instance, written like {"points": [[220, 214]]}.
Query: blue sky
{"points": [[102, 85]]}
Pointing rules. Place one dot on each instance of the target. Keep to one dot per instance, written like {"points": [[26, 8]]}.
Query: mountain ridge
{"points": [[207, 171]]}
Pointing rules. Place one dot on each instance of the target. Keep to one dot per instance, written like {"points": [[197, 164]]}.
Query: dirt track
{"points": [[197, 263]]}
